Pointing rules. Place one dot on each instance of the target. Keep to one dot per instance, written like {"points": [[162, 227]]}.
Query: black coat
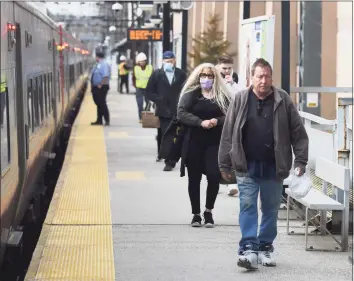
{"points": [[177, 137], [164, 95], [189, 121]]}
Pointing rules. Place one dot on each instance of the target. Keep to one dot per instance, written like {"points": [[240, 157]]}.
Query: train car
{"points": [[42, 69]]}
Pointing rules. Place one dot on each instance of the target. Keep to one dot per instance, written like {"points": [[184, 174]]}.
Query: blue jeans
{"points": [[140, 96], [261, 177]]}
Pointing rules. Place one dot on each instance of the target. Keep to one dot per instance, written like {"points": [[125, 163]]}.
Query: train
{"points": [[42, 70]]}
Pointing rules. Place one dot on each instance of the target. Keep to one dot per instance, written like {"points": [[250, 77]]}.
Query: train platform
{"points": [[115, 215]]}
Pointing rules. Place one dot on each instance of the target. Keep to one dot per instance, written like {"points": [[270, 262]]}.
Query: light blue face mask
{"points": [[168, 67]]}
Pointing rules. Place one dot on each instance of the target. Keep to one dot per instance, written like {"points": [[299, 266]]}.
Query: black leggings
{"points": [[202, 159]]}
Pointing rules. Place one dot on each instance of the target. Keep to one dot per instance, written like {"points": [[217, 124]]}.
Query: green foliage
{"points": [[210, 44]]}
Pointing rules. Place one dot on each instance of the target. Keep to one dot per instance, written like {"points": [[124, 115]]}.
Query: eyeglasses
{"points": [[204, 75]]}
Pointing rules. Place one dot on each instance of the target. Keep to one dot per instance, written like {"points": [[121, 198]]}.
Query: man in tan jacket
{"points": [[261, 128]]}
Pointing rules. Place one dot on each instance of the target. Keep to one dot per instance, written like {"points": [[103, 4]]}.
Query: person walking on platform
{"points": [[100, 78], [225, 66], [201, 109], [141, 75], [164, 88], [123, 74], [262, 126]]}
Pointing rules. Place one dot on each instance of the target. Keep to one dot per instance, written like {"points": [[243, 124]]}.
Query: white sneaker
{"points": [[232, 192], [248, 260], [266, 258]]}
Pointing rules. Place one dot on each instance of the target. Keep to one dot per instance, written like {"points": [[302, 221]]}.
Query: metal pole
{"points": [[343, 157], [285, 52], [301, 54], [285, 46], [184, 40], [132, 55], [166, 43]]}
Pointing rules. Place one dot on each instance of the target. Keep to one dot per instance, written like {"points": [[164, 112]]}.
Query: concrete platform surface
{"points": [[151, 214], [115, 215]]}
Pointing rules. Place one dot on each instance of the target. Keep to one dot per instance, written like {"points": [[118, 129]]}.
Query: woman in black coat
{"points": [[202, 107]]}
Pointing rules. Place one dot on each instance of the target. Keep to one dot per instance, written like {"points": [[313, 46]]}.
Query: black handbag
{"points": [[172, 141]]}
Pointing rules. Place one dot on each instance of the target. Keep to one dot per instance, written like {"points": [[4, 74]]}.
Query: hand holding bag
{"points": [[232, 180], [299, 185], [148, 118]]}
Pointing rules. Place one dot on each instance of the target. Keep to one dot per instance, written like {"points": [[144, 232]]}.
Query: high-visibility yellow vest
{"points": [[3, 84], [142, 76], [122, 70]]}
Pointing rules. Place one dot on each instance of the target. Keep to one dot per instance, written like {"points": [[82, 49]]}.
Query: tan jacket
{"points": [[289, 132]]}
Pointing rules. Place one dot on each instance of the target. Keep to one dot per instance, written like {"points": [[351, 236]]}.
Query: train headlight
{"points": [[11, 28]]}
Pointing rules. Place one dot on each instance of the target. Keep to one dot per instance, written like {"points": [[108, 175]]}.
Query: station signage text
{"points": [[144, 34]]}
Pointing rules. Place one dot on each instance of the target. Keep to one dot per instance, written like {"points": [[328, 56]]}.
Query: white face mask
{"points": [[167, 66]]}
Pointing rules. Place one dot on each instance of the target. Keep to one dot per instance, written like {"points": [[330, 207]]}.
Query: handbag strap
{"points": [[148, 106]]}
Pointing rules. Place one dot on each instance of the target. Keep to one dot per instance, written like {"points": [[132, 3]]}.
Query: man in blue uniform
{"points": [[100, 78]]}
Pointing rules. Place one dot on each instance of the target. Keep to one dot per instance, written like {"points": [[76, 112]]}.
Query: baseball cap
{"points": [[168, 55]]}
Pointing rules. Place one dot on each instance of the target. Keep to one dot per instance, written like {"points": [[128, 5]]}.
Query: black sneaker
{"points": [[196, 221], [168, 168], [208, 219]]}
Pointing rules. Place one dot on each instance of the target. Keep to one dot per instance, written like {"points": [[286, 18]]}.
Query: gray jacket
{"points": [[289, 132]]}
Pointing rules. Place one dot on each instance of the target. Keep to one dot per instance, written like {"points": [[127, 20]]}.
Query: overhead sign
{"points": [[144, 34]]}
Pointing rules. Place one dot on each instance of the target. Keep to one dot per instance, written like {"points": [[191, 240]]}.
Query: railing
{"points": [[331, 139]]}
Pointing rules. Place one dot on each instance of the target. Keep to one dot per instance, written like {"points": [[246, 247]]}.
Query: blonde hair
{"points": [[220, 92]]}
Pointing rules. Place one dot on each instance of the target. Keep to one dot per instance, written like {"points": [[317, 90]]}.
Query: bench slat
{"points": [[333, 173], [316, 200]]}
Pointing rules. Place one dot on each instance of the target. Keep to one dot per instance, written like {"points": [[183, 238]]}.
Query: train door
{"points": [[22, 125], [67, 86], [52, 79]]}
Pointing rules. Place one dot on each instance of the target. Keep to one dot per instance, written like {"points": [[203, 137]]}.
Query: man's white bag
{"points": [[299, 185]]}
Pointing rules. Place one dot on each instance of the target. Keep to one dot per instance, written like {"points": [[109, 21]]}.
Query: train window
{"points": [[45, 94], [36, 116], [41, 98], [30, 105], [71, 74], [67, 76], [5, 123], [50, 94], [58, 86]]}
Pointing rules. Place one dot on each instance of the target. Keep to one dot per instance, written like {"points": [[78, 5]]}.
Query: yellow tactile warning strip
{"points": [[76, 240], [84, 198], [77, 253]]}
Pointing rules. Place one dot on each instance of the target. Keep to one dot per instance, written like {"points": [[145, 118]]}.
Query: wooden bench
{"points": [[339, 177]]}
